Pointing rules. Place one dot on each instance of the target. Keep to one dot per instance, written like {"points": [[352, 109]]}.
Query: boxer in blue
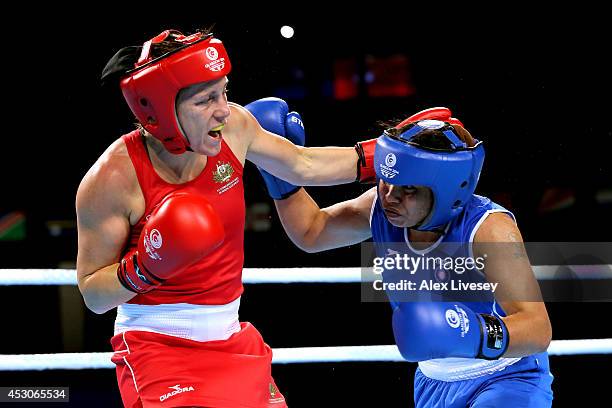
{"points": [[483, 352]]}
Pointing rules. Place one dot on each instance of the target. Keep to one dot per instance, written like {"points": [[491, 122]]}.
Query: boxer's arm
{"points": [[103, 229], [313, 229], [518, 291], [302, 166]]}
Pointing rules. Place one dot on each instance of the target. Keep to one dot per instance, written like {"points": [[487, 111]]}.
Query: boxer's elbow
{"points": [[96, 308], [545, 336], [311, 248], [538, 338], [307, 243], [314, 238], [93, 302], [529, 332], [541, 334], [93, 297], [313, 245]]}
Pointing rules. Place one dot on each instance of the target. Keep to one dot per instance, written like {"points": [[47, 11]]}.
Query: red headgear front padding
{"points": [[150, 89]]}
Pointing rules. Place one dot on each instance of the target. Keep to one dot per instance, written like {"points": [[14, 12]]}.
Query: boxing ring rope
{"points": [[283, 275], [386, 353], [80, 361]]}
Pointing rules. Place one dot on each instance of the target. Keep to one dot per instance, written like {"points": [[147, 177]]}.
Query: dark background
{"points": [[538, 97]]}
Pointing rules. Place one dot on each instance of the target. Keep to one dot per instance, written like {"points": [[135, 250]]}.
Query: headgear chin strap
{"points": [[452, 174], [150, 89]]}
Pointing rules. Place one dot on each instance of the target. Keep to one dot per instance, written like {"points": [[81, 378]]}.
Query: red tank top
{"points": [[217, 278]]}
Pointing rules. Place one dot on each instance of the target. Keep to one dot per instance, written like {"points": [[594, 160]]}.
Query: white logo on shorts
{"points": [[177, 390], [156, 239], [390, 160], [211, 53]]}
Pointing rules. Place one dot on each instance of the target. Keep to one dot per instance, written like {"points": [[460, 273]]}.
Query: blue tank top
{"points": [[389, 239], [455, 242]]}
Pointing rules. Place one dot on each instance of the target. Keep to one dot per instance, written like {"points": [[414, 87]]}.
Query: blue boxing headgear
{"points": [[451, 174]]}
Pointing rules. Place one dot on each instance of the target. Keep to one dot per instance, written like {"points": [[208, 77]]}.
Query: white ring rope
{"points": [[80, 361], [284, 275], [77, 361]]}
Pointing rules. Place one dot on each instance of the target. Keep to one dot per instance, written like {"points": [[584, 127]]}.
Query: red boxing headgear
{"points": [[150, 89]]}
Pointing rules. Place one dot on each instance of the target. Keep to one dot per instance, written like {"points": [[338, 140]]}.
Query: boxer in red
{"points": [[161, 218]]}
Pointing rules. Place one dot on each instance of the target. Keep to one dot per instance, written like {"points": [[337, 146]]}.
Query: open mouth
{"points": [[215, 132]]}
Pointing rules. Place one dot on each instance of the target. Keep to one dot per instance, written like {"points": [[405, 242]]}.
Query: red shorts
{"points": [[156, 370]]}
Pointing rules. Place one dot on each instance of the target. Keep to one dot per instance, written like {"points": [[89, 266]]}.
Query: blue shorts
{"points": [[525, 384]]}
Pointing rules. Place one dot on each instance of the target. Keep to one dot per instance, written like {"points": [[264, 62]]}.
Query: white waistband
{"points": [[193, 322], [459, 369]]}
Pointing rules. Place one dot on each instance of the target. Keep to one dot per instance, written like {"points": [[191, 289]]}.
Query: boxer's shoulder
{"points": [[498, 226], [241, 122], [238, 112], [114, 169], [239, 130], [111, 182]]}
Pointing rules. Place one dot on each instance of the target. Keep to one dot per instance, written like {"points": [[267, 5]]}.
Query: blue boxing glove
{"points": [[427, 330], [274, 116]]}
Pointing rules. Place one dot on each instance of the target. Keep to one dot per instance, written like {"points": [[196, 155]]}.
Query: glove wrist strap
{"points": [[365, 161], [134, 276], [494, 337]]}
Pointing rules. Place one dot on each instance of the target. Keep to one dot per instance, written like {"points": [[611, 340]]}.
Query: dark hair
{"points": [[125, 59], [433, 139]]}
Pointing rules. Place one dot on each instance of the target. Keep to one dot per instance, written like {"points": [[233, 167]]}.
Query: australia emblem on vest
{"points": [[223, 173]]}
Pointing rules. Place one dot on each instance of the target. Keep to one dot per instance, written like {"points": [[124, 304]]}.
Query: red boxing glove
{"points": [[437, 113], [365, 163], [181, 230], [365, 150]]}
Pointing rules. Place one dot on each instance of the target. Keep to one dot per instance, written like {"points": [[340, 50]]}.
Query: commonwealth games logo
{"points": [[156, 239], [387, 169], [216, 64], [212, 53], [452, 318], [390, 160], [458, 318]]}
